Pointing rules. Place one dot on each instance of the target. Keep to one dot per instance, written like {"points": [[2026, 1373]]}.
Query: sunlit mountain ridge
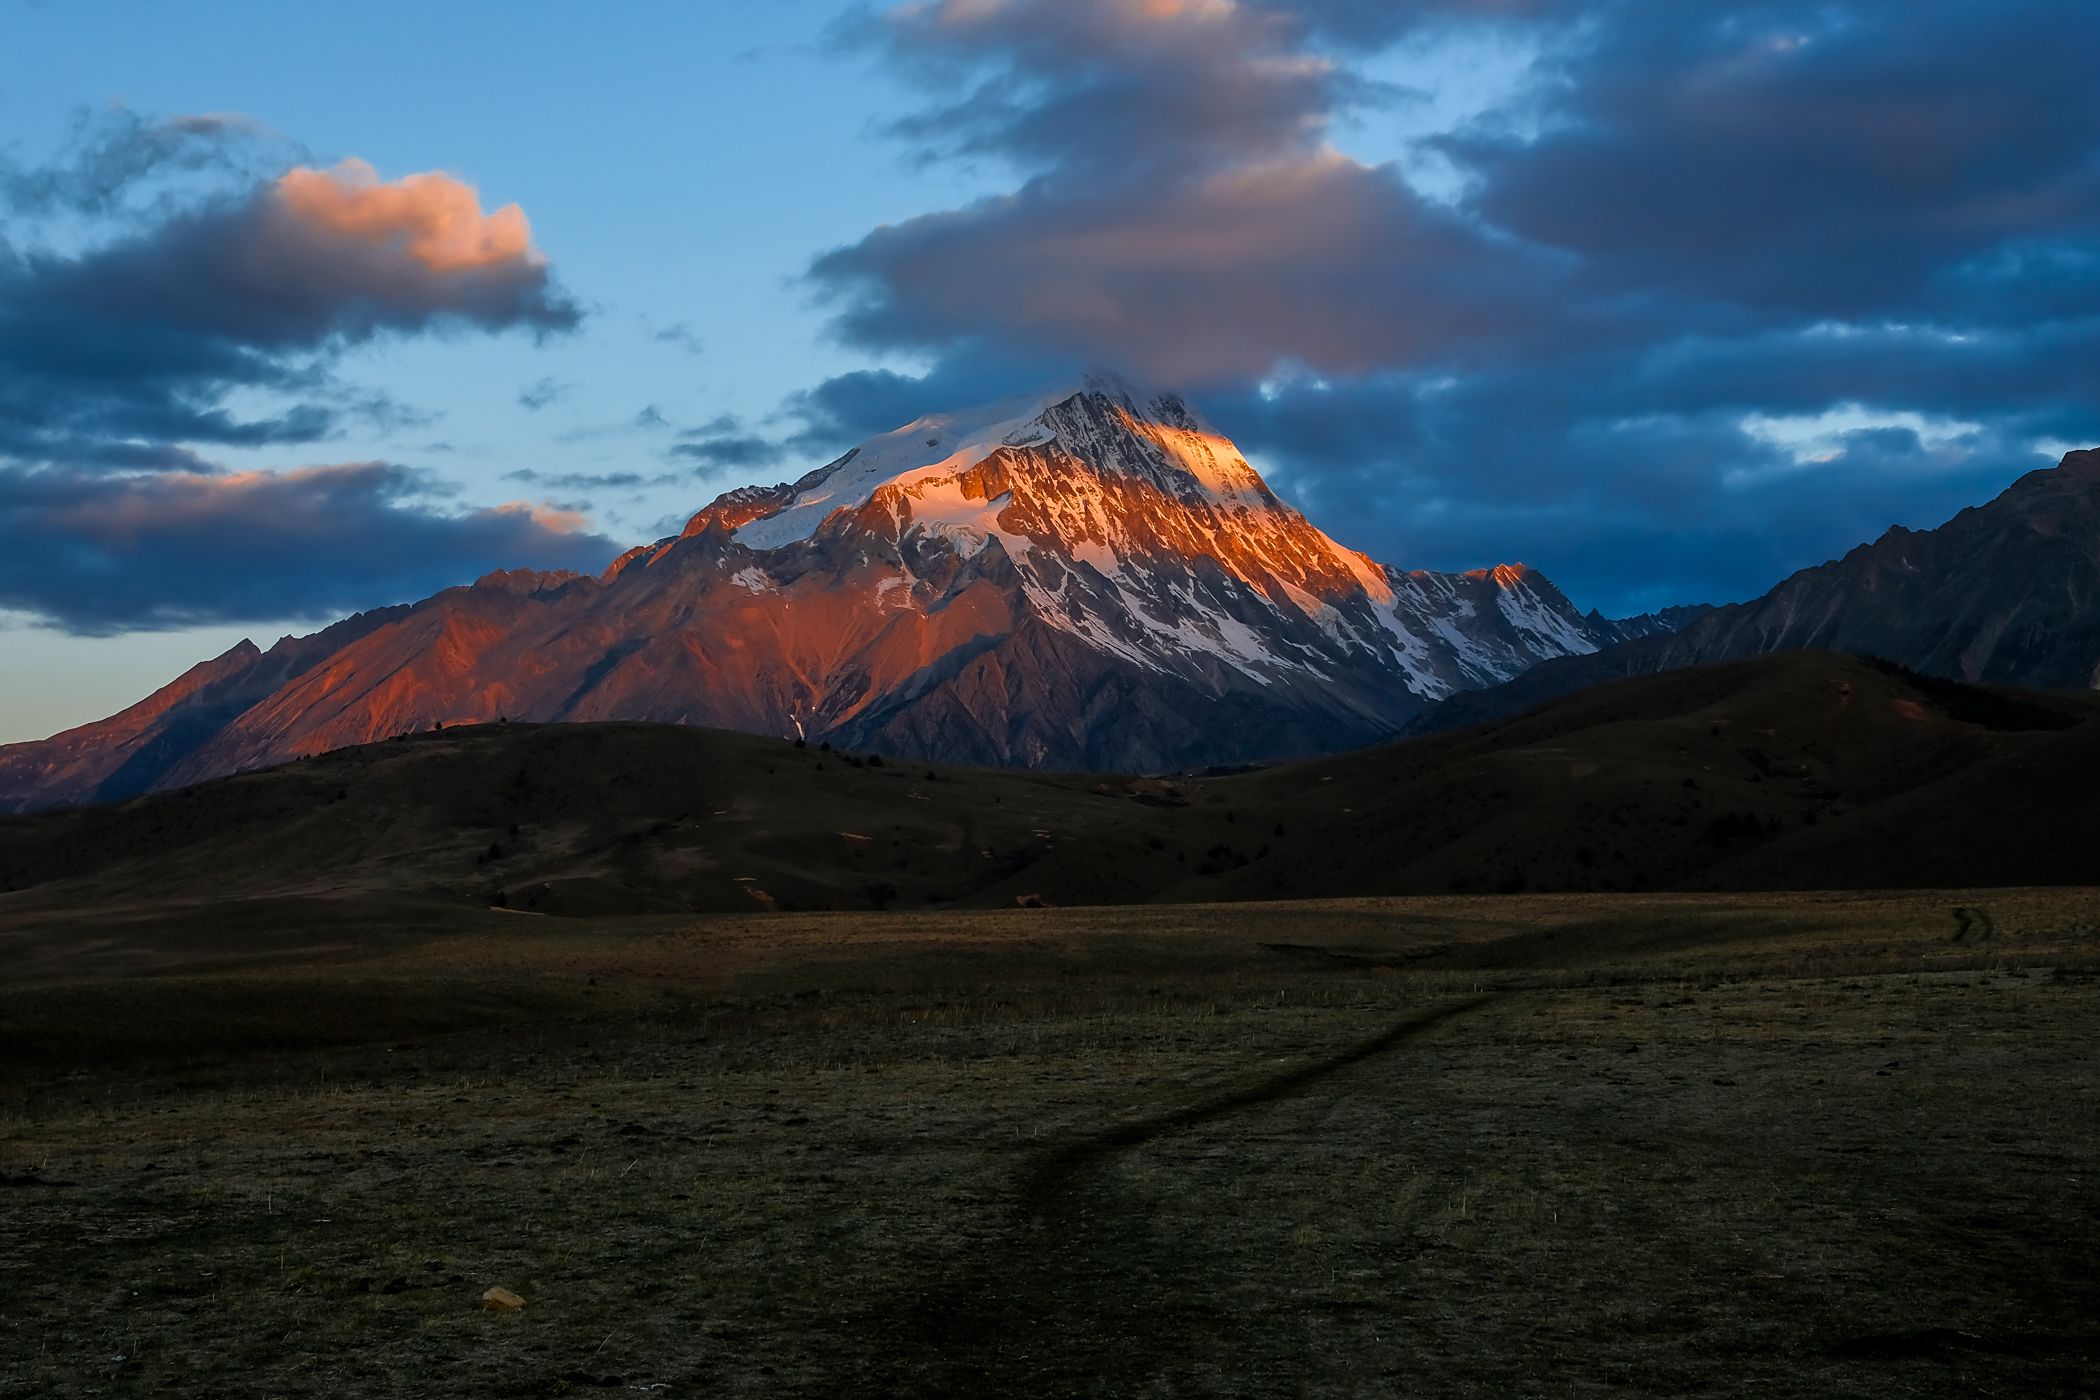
{"points": [[1090, 577]]}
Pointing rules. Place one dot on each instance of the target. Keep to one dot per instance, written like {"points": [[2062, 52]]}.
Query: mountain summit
{"points": [[1087, 578]]}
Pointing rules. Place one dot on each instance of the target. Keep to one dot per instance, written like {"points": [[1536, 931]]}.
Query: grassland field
{"points": [[1772, 1145]]}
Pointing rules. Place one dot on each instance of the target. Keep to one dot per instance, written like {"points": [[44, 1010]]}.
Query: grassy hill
{"points": [[1754, 774], [1795, 771]]}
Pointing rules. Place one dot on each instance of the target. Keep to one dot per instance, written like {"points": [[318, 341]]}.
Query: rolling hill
{"points": [[1801, 770]]}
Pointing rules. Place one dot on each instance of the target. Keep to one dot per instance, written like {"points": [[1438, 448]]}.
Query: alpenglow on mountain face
{"points": [[1083, 579]]}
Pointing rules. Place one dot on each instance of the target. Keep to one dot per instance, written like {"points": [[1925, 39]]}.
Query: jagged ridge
{"points": [[2005, 593]]}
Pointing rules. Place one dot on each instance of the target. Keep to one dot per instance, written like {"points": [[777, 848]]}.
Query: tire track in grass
{"points": [[1072, 1301]]}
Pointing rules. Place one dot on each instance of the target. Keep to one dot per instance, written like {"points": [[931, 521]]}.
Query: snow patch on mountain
{"points": [[937, 445]]}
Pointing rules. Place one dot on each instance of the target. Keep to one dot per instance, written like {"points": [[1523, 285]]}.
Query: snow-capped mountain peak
{"points": [[1186, 456], [1087, 577], [1131, 524]]}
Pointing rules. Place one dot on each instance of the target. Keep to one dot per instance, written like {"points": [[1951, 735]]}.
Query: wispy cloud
{"points": [[541, 392], [682, 336]]}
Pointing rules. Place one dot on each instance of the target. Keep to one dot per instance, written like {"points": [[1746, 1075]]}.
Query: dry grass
{"points": [[1767, 1145]]}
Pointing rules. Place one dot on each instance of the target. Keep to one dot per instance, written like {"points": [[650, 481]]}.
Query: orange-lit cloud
{"points": [[115, 353], [434, 218], [559, 520]]}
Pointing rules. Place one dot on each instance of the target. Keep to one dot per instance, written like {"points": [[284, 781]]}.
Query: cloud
{"points": [[650, 416], [1842, 161], [835, 414], [1626, 511], [592, 481], [682, 336], [315, 259], [430, 219], [1122, 92], [1181, 215], [723, 442], [112, 153], [723, 450], [96, 556], [1315, 260], [144, 339], [1686, 220], [541, 392], [212, 315]]}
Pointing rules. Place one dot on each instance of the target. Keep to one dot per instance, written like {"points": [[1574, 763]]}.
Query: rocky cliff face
{"points": [[1084, 579], [2007, 592]]}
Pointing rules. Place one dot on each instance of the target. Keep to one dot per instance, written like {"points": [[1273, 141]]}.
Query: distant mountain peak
{"points": [[1090, 576]]}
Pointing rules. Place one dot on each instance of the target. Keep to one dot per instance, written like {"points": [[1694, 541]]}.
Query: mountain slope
{"points": [[1082, 579], [2006, 593], [1792, 771], [133, 750], [1726, 776]]}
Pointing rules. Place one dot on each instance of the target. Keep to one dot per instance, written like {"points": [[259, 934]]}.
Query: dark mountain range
{"points": [[2006, 593]]}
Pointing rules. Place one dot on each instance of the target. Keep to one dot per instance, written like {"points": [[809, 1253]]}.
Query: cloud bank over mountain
{"points": [[1712, 290]]}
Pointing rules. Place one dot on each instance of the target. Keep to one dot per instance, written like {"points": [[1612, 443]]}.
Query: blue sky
{"points": [[651, 157], [1666, 300]]}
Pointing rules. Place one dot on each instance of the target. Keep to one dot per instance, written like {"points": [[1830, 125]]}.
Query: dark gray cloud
{"points": [[724, 442], [721, 452], [1695, 238], [834, 414], [95, 555], [592, 481], [1318, 260], [315, 259], [1360, 24], [1109, 91], [1841, 161], [1181, 215], [1633, 511]]}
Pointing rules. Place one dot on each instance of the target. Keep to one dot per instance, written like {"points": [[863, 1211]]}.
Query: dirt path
{"points": [[1080, 1296]]}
